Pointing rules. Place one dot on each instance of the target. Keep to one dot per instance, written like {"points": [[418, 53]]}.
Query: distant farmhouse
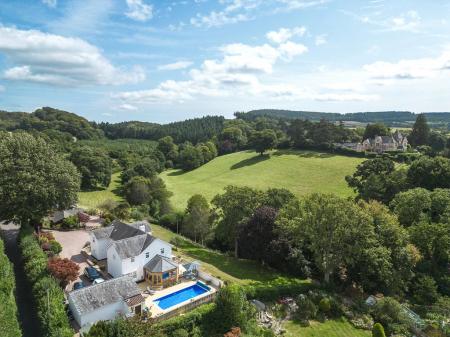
{"points": [[379, 144]]}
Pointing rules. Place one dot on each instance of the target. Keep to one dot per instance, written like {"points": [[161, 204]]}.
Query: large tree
{"points": [[197, 221], [421, 132], [263, 141], [34, 179], [94, 165], [430, 173], [333, 229], [377, 129], [412, 206], [233, 208]]}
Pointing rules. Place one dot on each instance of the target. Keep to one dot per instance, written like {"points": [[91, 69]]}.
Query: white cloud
{"points": [[320, 40], [236, 73], [50, 3], [410, 68], [127, 107], [300, 4], [284, 34], [176, 65], [138, 10], [58, 60], [216, 19]]}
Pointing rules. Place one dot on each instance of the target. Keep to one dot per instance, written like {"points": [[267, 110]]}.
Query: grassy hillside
{"points": [[301, 172], [331, 328], [94, 198]]}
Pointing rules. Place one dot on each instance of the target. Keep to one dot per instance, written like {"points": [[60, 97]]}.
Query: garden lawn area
{"points": [[301, 172], [220, 265], [93, 199], [331, 328]]}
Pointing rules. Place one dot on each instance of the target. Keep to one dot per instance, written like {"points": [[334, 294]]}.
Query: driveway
{"points": [[72, 243]]}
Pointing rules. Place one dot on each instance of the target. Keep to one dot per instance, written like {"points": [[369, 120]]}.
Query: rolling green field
{"points": [[331, 328], [92, 199], [301, 172]]}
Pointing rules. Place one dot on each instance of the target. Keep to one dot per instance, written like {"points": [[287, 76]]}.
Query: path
{"points": [[27, 312]]}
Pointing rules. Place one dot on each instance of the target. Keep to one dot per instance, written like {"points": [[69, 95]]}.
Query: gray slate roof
{"points": [[160, 264], [96, 296], [119, 230], [133, 246]]}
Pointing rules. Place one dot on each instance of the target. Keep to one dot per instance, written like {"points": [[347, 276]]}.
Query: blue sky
{"points": [[157, 60]]}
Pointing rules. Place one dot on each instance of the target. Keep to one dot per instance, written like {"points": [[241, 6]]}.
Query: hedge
{"points": [[48, 296], [270, 291], [9, 325], [187, 321]]}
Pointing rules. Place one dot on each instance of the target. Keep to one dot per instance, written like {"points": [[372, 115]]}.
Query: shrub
{"points": [[55, 247], [71, 222], [180, 333], [325, 305], [273, 290], [378, 330], [63, 270], [306, 308], [9, 325], [48, 296]]}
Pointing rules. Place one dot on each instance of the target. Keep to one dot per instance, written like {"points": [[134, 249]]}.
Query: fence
{"points": [[210, 279]]}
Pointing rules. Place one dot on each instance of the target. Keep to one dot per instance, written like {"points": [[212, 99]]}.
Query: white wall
{"points": [[114, 263], [98, 247], [106, 312], [128, 267]]}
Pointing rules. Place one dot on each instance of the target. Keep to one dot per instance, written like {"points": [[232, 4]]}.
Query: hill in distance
{"points": [[301, 172]]}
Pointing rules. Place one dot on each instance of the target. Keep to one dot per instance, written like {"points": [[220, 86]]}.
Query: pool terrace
{"points": [[179, 298]]}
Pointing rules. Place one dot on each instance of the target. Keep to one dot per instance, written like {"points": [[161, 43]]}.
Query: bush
{"points": [[55, 247], [71, 222], [48, 296], [9, 325], [306, 308], [63, 270], [325, 305], [378, 330]]}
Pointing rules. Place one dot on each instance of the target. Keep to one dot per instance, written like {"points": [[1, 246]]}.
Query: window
{"points": [[93, 239], [147, 255], [132, 259], [162, 250]]}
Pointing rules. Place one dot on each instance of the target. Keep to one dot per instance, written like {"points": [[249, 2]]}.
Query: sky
{"points": [[163, 61]]}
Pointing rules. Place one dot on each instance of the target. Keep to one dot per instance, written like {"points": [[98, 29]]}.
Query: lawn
{"points": [[331, 328], [220, 265], [301, 172], [92, 199]]}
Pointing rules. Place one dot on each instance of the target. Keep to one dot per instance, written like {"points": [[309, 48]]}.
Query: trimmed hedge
{"points": [[48, 296], [9, 325], [270, 291]]}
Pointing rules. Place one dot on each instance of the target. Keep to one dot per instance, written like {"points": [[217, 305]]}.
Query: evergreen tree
{"points": [[421, 132], [378, 330]]}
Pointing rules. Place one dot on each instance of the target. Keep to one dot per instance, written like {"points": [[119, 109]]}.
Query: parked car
{"points": [[78, 285], [91, 273], [98, 280]]}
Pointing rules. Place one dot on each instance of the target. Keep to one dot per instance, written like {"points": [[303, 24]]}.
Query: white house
{"points": [[129, 256], [100, 239], [105, 301]]}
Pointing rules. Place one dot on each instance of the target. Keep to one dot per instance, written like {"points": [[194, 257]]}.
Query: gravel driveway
{"points": [[72, 243]]}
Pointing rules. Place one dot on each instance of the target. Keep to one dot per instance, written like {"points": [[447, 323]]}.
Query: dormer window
{"points": [[132, 259], [147, 255], [162, 250]]}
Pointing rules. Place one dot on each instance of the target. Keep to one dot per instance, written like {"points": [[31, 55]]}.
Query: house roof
{"points": [[133, 246], [61, 215], [96, 296], [160, 264], [119, 230]]}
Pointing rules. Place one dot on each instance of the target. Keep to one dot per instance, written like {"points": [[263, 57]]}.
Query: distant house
{"points": [[105, 301], [100, 239], [379, 144]]}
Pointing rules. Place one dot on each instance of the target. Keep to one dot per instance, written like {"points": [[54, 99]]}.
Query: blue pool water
{"points": [[182, 295]]}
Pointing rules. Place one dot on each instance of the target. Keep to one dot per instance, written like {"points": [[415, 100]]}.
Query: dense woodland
{"points": [[394, 237]]}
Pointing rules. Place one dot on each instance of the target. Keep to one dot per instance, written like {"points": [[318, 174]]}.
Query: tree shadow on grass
{"points": [[250, 161], [176, 173], [304, 154]]}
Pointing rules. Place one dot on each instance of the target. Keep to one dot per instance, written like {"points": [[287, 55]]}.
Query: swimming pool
{"points": [[181, 295]]}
